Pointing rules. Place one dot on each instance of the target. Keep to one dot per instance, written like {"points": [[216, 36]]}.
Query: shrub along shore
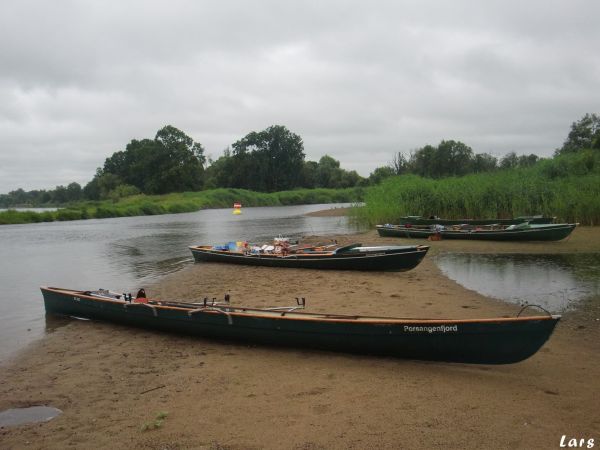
{"points": [[567, 187], [142, 205]]}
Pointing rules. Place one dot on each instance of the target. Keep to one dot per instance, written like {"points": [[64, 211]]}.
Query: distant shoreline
{"points": [[332, 212], [182, 202]]}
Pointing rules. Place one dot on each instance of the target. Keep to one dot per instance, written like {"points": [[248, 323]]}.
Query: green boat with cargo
{"points": [[481, 341], [395, 258], [518, 232]]}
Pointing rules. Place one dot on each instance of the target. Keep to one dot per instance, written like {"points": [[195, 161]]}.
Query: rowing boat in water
{"points": [[520, 232], [349, 257], [481, 341], [419, 220]]}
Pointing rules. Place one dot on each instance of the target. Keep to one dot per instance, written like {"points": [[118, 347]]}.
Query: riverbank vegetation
{"points": [[269, 168], [141, 204], [447, 181], [566, 186]]}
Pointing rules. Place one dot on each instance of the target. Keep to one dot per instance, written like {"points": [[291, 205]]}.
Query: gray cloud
{"points": [[79, 80]]}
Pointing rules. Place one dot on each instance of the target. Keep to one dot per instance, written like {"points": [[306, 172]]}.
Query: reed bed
{"points": [[567, 187]]}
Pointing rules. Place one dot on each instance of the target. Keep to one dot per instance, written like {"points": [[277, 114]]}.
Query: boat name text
{"points": [[436, 329]]}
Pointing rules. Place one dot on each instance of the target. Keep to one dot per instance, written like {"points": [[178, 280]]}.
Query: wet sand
{"points": [[110, 380]]}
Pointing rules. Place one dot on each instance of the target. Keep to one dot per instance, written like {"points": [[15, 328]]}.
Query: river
{"points": [[556, 282]]}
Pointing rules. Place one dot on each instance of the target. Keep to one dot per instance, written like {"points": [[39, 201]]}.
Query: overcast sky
{"points": [[356, 80]]}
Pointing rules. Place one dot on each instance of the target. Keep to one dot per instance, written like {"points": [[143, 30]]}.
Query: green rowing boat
{"points": [[482, 341], [520, 232], [350, 257], [419, 220]]}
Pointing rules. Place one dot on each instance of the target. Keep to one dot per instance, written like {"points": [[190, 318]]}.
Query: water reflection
{"points": [[555, 282], [33, 414]]}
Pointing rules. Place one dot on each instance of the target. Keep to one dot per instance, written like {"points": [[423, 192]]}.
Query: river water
{"points": [[558, 283], [123, 254]]}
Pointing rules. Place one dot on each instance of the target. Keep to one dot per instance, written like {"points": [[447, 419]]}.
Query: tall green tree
{"points": [[269, 160], [585, 133], [171, 162], [509, 161], [528, 160], [399, 164], [484, 162], [423, 162], [219, 172], [328, 172], [380, 174], [453, 158], [449, 158], [74, 192], [309, 174]]}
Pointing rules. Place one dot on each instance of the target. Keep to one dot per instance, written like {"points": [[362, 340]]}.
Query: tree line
{"points": [[269, 161], [454, 158]]}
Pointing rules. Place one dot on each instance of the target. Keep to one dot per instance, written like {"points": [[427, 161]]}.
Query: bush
{"points": [[69, 214]]}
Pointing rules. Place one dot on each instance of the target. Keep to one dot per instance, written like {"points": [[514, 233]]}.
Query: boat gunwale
{"points": [[300, 316]]}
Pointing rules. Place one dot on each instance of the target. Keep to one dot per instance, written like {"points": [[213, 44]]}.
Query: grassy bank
{"points": [[566, 187], [141, 205]]}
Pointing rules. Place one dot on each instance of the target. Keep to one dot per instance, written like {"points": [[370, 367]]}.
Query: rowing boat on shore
{"points": [[419, 220], [349, 257], [520, 232], [481, 341]]}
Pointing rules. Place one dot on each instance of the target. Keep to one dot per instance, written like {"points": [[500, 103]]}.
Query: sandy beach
{"points": [[111, 382]]}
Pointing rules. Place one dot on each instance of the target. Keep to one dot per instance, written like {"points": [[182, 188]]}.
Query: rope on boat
{"points": [[534, 306]]}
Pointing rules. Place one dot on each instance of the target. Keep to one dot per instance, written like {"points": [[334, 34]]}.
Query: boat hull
{"points": [[536, 233], [485, 341], [395, 261]]}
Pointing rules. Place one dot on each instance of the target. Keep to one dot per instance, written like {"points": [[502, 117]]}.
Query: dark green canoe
{"points": [[350, 257], [482, 341], [419, 220], [521, 232]]}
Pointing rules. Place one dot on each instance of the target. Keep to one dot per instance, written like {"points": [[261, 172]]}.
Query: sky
{"points": [[357, 80]]}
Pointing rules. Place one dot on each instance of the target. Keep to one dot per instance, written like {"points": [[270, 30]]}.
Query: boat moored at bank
{"points": [[519, 232], [482, 341], [433, 220], [348, 257]]}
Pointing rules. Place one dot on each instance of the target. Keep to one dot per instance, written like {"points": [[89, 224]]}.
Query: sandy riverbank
{"points": [[233, 396]]}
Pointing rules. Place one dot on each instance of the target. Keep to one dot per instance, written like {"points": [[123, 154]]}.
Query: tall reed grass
{"points": [[567, 187]]}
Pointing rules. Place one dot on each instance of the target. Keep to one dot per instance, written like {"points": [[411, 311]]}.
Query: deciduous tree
{"points": [[585, 133]]}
